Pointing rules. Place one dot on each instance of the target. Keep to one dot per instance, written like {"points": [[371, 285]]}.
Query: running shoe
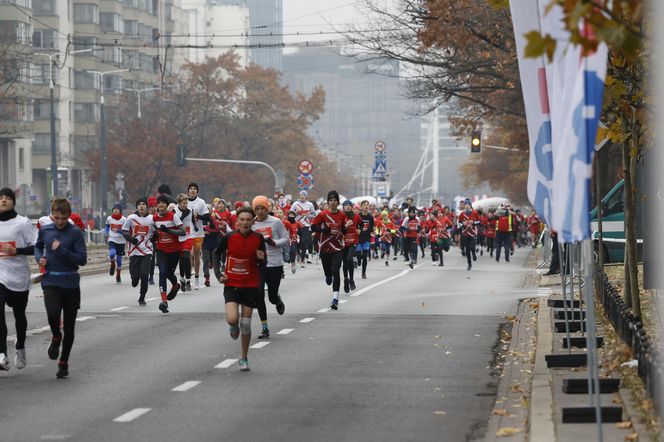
{"points": [[197, 283], [364, 275], [281, 308], [265, 333], [293, 268], [63, 370], [346, 286], [163, 306], [469, 267], [328, 280], [174, 292], [151, 282], [335, 304], [20, 361], [142, 302], [183, 284], [395, 258], [235, 331], [111, 272], [474, 257], [387, 263], [118, 280], [244, 364], [4, 362], [54, 348], [207, 281], [187, 285], [134, 282], [351, 283], [411, 265]]}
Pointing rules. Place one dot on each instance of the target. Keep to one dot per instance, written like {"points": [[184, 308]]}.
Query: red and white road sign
{"points": [[379, 146], [305, 167]]}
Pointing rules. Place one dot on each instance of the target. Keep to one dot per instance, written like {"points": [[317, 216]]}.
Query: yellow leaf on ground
{"points": [[501, 412], [508, 431], [633, 437], [439, 413], [624, 425]]}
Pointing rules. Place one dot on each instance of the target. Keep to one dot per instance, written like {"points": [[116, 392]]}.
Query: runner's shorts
{"points": [[247, 296], [363, 246], [119, 248], [186, 245]]}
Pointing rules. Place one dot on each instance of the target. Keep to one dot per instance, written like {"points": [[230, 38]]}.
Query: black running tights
{"points": [[349, 268], [139, 270], [66, 302], [332, 266], [17, 301], [272, 277], [167, 263]]}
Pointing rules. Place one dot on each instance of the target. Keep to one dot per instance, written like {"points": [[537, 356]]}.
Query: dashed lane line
{"points": [[226, 363], [153, 298], [117, 309], [131, 415], [186, 386], [324, 310], [260, 344], [305, 320], [285, 331]]}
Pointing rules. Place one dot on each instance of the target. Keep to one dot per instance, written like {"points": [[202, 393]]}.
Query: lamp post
{"points": [[139, 92], [54, 162], [103, 148]]}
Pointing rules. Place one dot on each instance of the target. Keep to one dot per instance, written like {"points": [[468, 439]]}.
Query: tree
{"points": [[218, 110], [463, 53], [12, 90]]}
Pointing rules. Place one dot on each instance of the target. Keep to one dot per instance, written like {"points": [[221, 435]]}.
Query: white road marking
{"points": [[226, 363], [305, 320], [186, 386], [324, 310], [343, 301], [384, 281], [260, 344], [85, 318], [153, 298], [131, 415], [55, 437], [285, 331], [117, 309]]}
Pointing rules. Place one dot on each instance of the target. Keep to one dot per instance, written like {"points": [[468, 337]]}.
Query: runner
{"points": [[200, 216], [468, 221], [410, 228], [275, 236], [186, 241], [293, 226], [534, 228], [60, 250], [152, 209], [17, 240], [330, 225], [305, 212], [386, 229], [351, 238], [364, 241], [116, 242], [245, 250], [503, 232], [169, 228], [138, 230], [490, 230], [444, 225], [210, 244]]}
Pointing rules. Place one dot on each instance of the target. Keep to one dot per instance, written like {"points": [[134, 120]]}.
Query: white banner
{"points": [[562, 148]]}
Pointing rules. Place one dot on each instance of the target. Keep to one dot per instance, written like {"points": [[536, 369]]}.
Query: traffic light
{"points": [[181, 161], [476, 142]]}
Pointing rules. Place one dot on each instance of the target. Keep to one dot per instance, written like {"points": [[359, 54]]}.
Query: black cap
{"points": [[6, 191], [332, 194]]}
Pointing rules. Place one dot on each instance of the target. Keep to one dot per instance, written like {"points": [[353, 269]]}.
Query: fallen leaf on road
{"points": [[437, 337], [439, 413], [508, 431], [632, 437], [501, 412], [624, 425]]}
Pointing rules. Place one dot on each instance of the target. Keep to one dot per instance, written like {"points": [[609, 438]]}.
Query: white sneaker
{"points": [[20, 360], [4, 362], [196, 284]]}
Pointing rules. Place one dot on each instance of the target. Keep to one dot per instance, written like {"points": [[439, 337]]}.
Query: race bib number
{"points": [[238, 266], [165, 238], [3, 244], [141, 230], [116, 227], [265, 231]]}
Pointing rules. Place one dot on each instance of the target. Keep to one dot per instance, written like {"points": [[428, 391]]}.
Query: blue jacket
{"points": [[63, 262]]}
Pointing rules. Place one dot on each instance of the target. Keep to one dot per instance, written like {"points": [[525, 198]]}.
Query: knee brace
{"points": [[245, 326]]}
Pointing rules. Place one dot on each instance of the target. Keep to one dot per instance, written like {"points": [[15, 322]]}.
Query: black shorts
{"points": [[13, 299], [247, 296], [119, 248]]}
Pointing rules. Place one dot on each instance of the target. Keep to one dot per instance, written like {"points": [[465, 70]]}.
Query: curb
{"points": [[541, 402]]}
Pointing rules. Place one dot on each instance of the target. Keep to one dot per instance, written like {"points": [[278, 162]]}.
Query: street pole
{"points": [[277, 187], [103, 147], [139, 92]]}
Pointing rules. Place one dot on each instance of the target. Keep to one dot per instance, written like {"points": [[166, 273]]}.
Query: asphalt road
{"points": [[406, 357]]}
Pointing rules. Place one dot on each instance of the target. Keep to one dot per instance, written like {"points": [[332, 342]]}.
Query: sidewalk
{"points": [[530, 401]]}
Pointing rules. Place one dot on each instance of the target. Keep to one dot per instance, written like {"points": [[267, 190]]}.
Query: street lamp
{"points": [[139, 92], [103, 149], [54, 163]]}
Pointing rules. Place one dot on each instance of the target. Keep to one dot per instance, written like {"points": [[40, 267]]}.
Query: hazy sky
{"points": [[316, 15]]}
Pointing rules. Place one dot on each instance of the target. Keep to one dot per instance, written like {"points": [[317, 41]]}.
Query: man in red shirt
{"points": [[169, 228], [351, 238], [468, 223], [331, 225]]}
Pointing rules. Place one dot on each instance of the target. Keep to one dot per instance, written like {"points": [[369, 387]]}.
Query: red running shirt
{"points": [[242, 264], [167, 242], [332, 240]]}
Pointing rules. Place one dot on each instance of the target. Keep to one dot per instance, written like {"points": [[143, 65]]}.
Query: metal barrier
{"points": [[631, 332], [545, 240]]}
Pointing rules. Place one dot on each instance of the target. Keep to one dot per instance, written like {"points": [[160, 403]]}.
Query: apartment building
{"points": [[120, 35]]}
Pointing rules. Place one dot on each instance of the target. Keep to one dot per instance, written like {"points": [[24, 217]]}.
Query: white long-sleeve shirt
{"points": [[272, 227]]}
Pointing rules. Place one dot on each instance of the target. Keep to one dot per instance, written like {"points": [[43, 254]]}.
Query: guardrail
{"points": [[631, 332]]}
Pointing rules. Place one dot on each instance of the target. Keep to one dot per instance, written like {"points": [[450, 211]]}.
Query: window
{"points": [[41, 110], [130, 27], [84, 43], [112, 54], [110, 21], [86, 80], [23, 3], [112, 83], [130, 59], [86, 13], [615, 203], [41, 143], [83, 143], [39, 73], [43, 7], [21, 159], [130, 3], [44, 38], [86, 112]]}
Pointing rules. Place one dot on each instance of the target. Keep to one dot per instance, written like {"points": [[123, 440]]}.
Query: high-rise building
{"points": [[364, 104]]}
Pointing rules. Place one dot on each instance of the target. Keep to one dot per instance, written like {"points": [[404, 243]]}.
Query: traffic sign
{"points": [[305, 167], [305, 182], [379, 146]]}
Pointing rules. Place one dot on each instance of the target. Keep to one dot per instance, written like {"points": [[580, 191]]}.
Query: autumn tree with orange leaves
{"points": [[217, 109]]}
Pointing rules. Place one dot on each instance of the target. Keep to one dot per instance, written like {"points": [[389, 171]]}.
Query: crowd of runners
{"points": [[245, 245]]}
